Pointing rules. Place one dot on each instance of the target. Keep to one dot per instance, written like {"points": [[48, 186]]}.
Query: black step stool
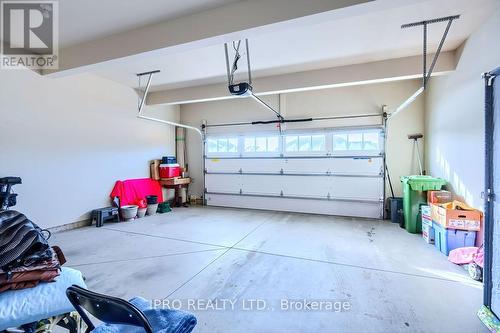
{"points": [[105, 214]]}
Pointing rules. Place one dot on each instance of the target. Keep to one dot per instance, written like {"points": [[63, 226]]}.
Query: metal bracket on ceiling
{"points": [[142, 100], [426, 73]]}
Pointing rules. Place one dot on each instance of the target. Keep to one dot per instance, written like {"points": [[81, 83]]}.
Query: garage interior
{"points": [[277, 137]]}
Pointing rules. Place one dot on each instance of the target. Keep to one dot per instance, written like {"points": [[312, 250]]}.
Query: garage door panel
{"points": [[357, 166], [357, 187], [363, 188], [341, 208], [311, 165], [253, 184], [223, 183], [311, 186], [248, 165]]}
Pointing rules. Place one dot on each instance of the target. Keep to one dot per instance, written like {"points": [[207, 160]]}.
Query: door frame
{"points": [[489, 194]]}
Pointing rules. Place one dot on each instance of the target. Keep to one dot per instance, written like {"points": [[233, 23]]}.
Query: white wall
{"points": [[455, 115], [361, 99], [70, 139]]}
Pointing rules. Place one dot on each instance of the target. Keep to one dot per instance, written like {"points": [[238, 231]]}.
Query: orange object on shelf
{"points": [[439, 197]]}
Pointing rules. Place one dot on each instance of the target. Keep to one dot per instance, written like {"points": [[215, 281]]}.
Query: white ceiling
{"points": [[85, 20], [360, 38]]}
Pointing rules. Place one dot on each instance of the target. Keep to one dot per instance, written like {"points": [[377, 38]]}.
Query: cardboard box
{"points": [[465, 218], [426, 213], [154, 169], [427, 229], [438, 197], [428, 233]]}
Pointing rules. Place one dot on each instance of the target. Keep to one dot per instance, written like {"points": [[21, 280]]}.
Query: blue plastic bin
{"points": [[446, 240]]}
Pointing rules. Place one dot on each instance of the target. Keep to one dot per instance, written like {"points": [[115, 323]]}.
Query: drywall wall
{"points": [[71, 138], [455, 115], [361, 99]]}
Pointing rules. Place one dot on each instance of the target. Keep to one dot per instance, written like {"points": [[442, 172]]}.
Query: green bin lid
{"points": [[423, 183]]}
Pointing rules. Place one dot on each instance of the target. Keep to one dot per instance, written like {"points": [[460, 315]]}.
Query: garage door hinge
{"points": [[281, 171], [240, 170], [281, 193], [490, 196], [328, 196], [241, 191]]}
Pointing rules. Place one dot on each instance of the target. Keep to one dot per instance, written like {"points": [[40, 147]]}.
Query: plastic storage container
{"points": [[451, 239], [414, 194], [170, 170], [396, 210], [168, 160], [151, 199]]}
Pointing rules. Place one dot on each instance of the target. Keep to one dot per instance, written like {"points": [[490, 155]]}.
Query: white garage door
{"points": [[336, 172]]}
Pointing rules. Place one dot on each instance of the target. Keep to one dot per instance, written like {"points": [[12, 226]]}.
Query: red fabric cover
{"points": [[132, 191]]}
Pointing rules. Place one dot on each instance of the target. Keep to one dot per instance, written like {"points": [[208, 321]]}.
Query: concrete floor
{"points": [[383, 278]]}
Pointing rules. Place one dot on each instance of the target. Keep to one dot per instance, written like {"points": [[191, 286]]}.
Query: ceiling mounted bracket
{"points": [[142, 100], [426, 73]]}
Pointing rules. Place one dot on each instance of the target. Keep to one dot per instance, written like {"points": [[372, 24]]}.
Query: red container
{"points": [[170, 170]]}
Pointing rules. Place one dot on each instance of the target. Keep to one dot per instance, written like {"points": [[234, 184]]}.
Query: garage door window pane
{"points": [[232, 145], [272, 144], [355, 141], [212, 145], [370, 141], [292, 143], [260, 144], [340, 142], [249, 145], [318, 142], [222, 145], [305, 143]]}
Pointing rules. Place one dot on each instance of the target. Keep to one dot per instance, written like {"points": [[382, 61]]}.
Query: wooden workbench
{"points": [[176, 184]]}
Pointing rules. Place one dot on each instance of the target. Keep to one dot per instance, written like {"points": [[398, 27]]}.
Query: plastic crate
{"points": [[451, 239], [396, 205]]}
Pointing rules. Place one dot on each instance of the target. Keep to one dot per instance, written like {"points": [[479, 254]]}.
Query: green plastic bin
{"points": [[414, 194]]}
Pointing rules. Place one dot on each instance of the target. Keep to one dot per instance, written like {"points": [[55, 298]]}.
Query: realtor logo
{"points": [[29, 32]]}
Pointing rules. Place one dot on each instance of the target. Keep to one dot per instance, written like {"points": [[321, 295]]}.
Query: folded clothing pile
{"points": [[25, 256]]}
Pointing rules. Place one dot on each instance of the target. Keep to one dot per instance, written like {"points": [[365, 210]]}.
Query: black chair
{"points": [[110, 310]]}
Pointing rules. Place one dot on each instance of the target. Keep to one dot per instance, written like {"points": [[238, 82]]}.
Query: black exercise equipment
{"points": [[7, 197]]}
